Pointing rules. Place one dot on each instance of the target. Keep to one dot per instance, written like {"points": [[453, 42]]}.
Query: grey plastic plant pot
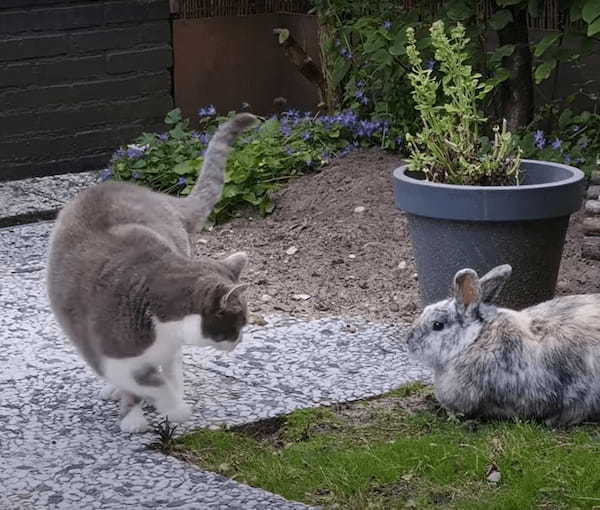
{"points": [[453, 227]]}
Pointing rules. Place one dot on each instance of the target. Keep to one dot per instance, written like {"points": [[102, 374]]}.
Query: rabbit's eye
{"points": [[438, 326]]}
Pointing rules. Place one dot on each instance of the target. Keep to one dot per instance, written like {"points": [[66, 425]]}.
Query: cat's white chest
{"points": [[184, 331]]}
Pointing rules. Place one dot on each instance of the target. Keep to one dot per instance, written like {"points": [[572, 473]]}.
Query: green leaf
{"points": [[173, 117], [267, 206], [499, 20], [501, 75], [594, 28], [340, 70], [186, 167], [535, 7], [178, 132], [590, 11], [575, 10], [459, 10], [501, 52], [506, 3], [566, 118], [545, 43], [544, 70], [397, 50]]}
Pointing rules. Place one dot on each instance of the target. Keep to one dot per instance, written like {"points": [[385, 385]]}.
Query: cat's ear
{"points": [[236, 289], [236, 263]]}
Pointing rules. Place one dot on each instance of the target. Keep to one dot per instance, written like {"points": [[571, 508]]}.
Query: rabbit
{"points": [[541, 363]]}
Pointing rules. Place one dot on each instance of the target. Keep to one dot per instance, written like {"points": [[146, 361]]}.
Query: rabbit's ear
{"points": [[493, 282], [467, 290]]}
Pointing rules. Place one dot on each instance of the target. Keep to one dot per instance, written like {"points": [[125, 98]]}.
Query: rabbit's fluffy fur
{"points": [[541, 363]]}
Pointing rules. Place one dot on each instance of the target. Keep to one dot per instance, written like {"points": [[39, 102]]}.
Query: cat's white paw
{"points": [[135, 422], [179, 414], [109, 392]]}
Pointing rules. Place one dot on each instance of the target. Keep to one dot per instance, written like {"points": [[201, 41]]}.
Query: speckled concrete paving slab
{"points": [[322, 361], [61, 446], [40, 197]]}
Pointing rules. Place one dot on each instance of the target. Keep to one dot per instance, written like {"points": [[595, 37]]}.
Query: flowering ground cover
{"points": [[281, 148], [294, 143]]}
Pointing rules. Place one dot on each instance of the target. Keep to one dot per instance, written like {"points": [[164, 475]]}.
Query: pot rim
{"points": [[400, 173], [557, 193]]}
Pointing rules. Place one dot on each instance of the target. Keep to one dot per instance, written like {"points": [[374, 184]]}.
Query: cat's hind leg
{"points": [[132, 414]]}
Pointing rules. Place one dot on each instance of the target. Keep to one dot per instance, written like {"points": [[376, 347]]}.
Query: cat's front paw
{"points": [[135, 422], [109, 392], [179, 414]]}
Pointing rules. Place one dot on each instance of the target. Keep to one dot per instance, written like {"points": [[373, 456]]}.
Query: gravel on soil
{"points": [[336, 246]]}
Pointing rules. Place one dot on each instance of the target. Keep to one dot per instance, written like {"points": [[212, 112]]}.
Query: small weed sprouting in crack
{"points": [[165, 442]]}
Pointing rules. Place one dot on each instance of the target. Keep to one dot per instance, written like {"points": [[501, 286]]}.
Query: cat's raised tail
{"points": [[207, 191]]}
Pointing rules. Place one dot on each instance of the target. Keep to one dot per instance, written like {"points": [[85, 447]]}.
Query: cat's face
{"points": [[224, 319]]}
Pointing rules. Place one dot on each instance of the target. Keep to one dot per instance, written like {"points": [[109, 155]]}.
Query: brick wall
{"points": [[78, 79]]}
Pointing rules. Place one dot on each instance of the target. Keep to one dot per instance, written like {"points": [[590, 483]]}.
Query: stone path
{"points": [[61, 447], [39, 198]]}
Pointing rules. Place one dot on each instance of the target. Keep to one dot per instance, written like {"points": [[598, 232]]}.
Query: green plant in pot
{"points": [[472, 201]]}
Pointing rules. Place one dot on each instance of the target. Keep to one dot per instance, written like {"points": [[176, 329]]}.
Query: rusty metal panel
{"points": [[230, 60]]}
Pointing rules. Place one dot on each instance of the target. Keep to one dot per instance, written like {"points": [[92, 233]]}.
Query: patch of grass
{"points": [[401, 451]]}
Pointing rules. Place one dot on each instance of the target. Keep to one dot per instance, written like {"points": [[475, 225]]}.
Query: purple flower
{"points": [[387, 25], [567, 159], [583, 143], [556, 144], [430, 65], [135, 175], [291, 114], [345, 52], [106, 174], [119, 154], [325, 157], [399, 141], [289, 151], [209, 111], [306, 136], [346, 150], [201, 137], [367, 128], [182, 181], [163, 137], [285, 129], [360, 95], [136, 151], [540, 140], [347, 119]]}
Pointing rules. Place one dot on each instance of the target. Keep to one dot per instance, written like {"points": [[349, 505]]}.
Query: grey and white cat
{"points": [[126, 291], [542, 362]]}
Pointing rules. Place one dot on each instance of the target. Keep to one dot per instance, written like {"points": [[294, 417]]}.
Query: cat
{"points": [[124, 287]]}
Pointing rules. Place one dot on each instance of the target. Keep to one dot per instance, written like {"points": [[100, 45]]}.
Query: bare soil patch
{"points": [[336, 246]]}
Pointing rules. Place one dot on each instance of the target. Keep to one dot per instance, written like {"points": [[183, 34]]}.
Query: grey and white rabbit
{"points": [[540, 363]]}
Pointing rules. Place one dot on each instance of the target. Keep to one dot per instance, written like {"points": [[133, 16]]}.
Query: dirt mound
{"points": [[335, 245]]}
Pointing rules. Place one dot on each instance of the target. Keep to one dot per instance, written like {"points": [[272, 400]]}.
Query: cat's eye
{"points": [[438, 326]]}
